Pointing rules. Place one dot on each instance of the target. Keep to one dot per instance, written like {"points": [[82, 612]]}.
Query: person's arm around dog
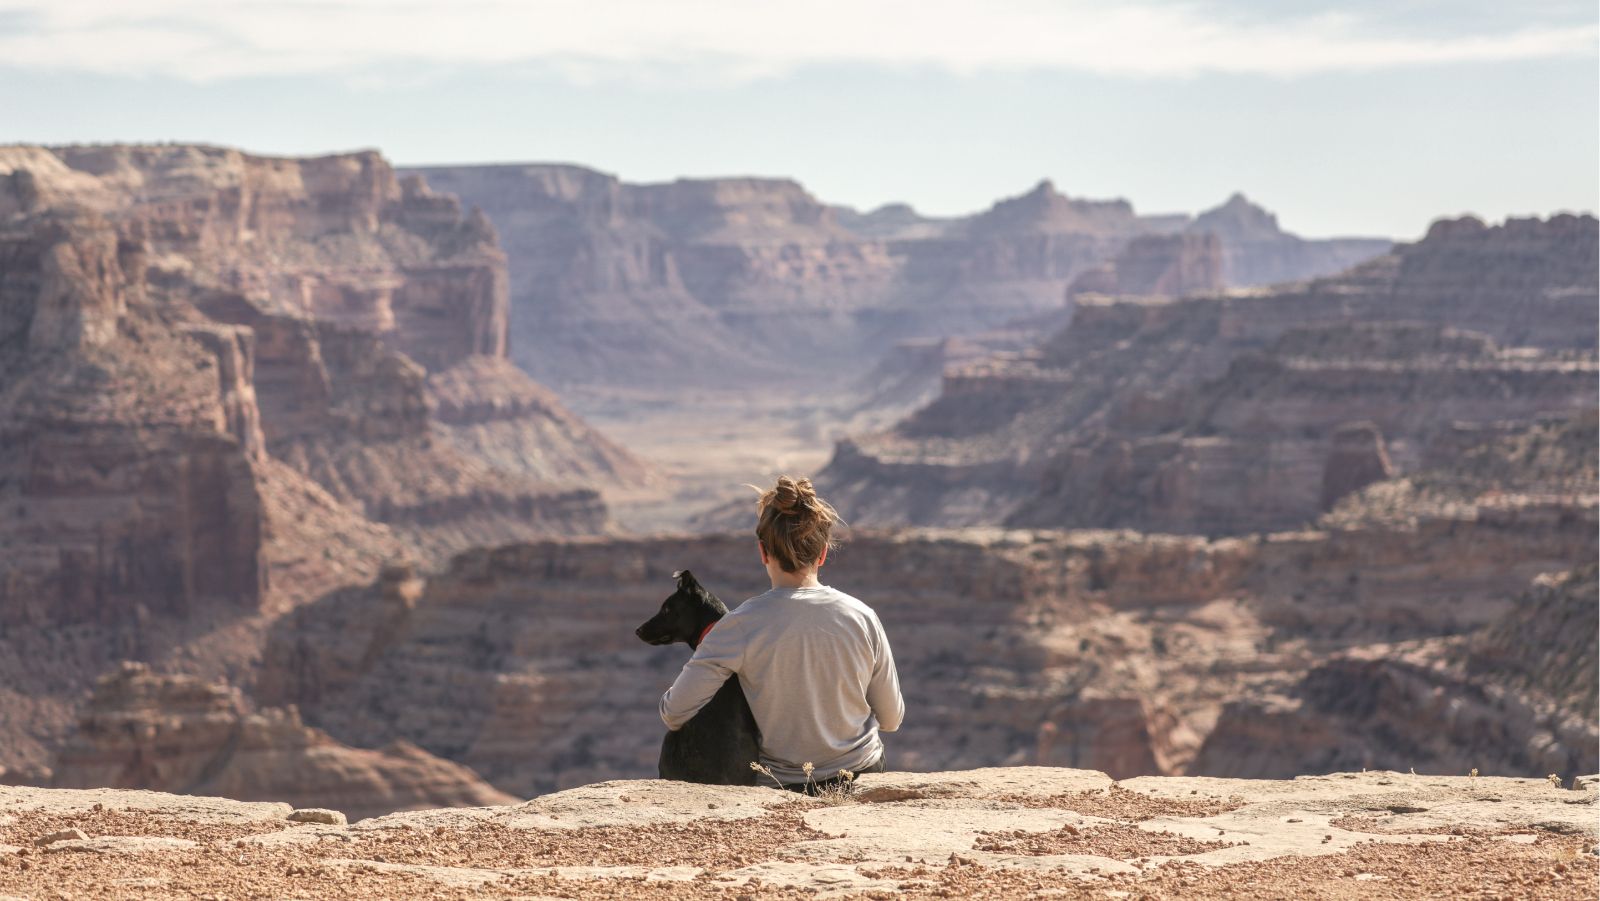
{"points": [[716, 659]]}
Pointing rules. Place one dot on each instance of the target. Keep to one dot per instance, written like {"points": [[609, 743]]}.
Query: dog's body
{"points": [[716, 746]]}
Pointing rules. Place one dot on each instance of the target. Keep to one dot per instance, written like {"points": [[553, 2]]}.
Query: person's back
{"points": [[814, 662]]}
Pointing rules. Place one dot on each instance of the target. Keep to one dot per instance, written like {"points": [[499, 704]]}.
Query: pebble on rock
{"points": [[318, 815], [60, 836]]}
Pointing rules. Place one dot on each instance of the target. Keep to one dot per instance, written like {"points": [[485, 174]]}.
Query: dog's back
{"points": [[717, 745]]}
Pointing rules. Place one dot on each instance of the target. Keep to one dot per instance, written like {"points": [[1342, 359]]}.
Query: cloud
{"points": [[203, 40]]}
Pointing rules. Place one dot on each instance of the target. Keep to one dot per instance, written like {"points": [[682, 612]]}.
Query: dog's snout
{"points": [[639, 632]]}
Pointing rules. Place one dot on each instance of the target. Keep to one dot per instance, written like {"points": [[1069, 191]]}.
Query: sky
{"points": [[1358, 118]]}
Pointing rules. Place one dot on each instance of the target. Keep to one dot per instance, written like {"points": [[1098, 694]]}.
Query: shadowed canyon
{"points": [[328, 483]]}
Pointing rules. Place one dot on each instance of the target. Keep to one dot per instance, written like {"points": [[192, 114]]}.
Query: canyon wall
{"points": [[1256, 251], [1514, 696], [1245, 412], [182, 734], [1116, 650], [230, 384], [636, 288]]}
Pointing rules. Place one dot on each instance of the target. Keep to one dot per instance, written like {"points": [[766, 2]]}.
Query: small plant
{"points": [[1474, 773], [1555, 780], [756, 765], [832, 794], [839, 792]]}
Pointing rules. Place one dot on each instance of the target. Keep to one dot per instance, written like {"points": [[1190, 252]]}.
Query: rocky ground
{"points": [[997, 833]]}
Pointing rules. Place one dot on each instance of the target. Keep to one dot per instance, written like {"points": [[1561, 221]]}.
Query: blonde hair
{"points": [[794, 523]]}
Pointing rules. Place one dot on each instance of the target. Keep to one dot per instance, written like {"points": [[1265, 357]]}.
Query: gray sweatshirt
{"points": [[816, 667]]}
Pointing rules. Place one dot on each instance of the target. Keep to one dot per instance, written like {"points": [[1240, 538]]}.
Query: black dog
{"points": [[716, 746]]}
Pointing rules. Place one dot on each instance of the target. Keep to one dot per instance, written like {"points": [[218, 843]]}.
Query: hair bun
{"points": [[794, 523], [791, 496]]}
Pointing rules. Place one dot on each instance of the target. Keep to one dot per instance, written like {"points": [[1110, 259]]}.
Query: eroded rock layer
{"points": [[645, 287], [1249, 411], [1517, 695], [230, 384], [1111, 649], [186, 735]]}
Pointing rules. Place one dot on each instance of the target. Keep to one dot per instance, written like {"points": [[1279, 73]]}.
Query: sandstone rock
{"points": [[1022, 781], [59, 836], [122, 844], [1159, 265], [1513, 698], [613, 280], [1117, 648], [215, 395], [1215, 414], [1358, 459], [1163, 837], [178, 732], [1256, 251], [189, 808], [317, 815]]}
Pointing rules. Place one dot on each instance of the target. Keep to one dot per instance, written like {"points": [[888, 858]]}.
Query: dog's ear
{"points": [[686, 580]]}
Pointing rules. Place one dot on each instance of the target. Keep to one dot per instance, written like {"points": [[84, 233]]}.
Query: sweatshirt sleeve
{"points": [[883, 692], [717, 658]]}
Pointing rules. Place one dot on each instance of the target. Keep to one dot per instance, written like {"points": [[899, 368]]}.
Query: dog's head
{"points": [[683, 615]]}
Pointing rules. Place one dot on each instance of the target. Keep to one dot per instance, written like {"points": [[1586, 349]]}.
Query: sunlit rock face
{"points": [[232, 383], [177, 733]]}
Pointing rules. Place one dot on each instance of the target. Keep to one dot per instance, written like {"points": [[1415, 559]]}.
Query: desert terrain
{"points": [[325, 484], [990, 833]]}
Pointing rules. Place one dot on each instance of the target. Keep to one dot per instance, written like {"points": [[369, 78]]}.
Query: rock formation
{"points": [[182, 734], [662, 287], [1111, 649], [1160, 265], [230, 384], [1256, 251], [1516, 696], [1233, 413]]}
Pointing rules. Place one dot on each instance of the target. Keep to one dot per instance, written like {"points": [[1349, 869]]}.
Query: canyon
{"points": [[320, 483], [1115, 650], [636, 289], [749, 309], [1230, 413], [230, 384]]}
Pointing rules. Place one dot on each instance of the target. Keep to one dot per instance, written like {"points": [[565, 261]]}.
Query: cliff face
{"points": [[221, 378], [127, 480], [1160, 265], [680, 285], [345, 287], [1257, 251], [1514, 696], [182, 734], [1237, 413], [1116, 650]]}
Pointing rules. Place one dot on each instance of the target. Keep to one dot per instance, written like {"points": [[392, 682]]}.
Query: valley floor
{"points": [[995, 833], [706, 447]]}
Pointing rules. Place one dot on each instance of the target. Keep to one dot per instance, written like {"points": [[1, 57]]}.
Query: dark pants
{"points": [[816, 788]]}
